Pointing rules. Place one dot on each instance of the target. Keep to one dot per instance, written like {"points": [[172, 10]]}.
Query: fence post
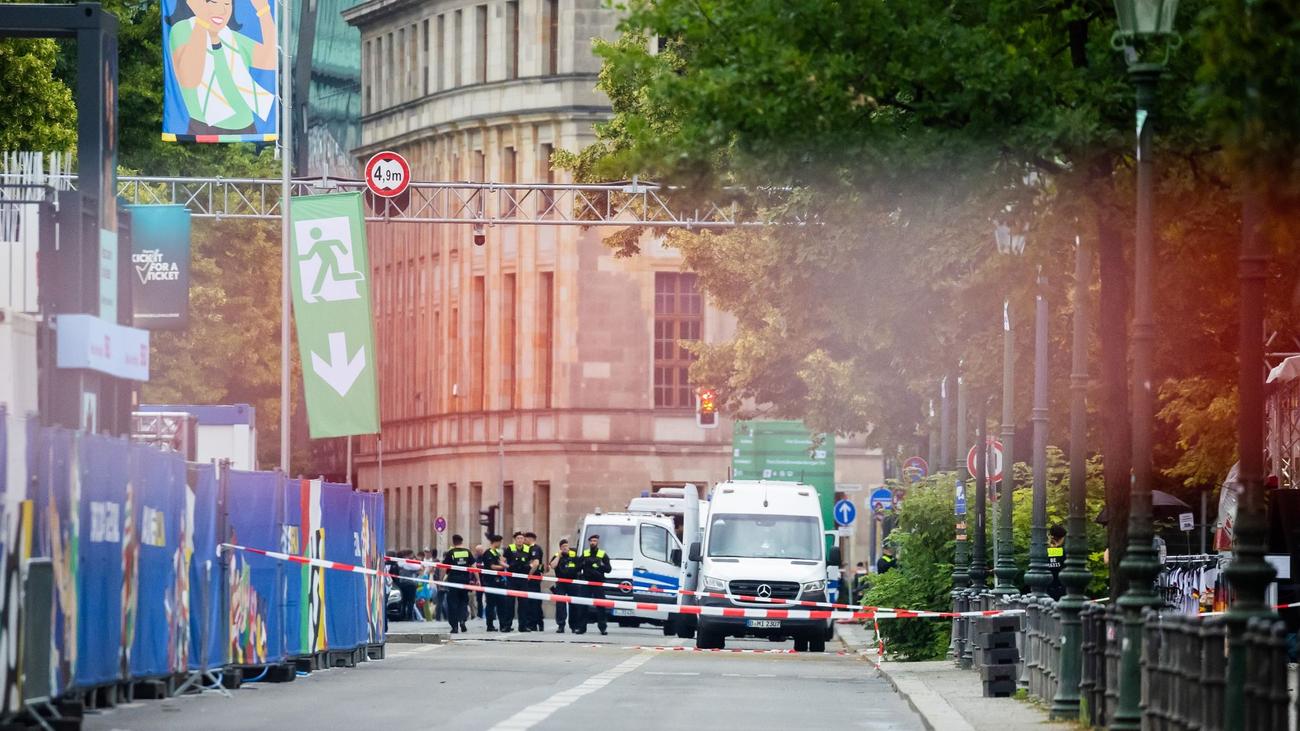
{"points": [[1213, 664]]}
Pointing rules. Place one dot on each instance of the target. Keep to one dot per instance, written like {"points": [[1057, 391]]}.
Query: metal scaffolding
{"points": [[489, 204]]}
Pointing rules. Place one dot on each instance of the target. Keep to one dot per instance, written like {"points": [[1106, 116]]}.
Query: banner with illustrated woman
{"points": [[219, 71]]}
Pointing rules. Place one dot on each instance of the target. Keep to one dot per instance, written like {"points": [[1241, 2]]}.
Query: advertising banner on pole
{"points": [[219, 71], [331, 304], [160, 267]]}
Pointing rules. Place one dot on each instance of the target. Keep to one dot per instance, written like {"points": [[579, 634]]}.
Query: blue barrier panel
{"points": [[56, 480], [207, 620], [342, 589], [255, 584], [291, 542], [107, 575], [161, 615], [366, 514]]}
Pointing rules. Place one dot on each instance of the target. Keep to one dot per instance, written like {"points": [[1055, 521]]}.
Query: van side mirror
{"points": [[676, 557], [833, 558], [695, 553]]}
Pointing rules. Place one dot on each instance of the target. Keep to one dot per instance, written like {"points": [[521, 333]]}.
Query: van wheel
{"points": [[817, 645], [705, 640], [685, 631], [668, 628], [800, 644], [830, 632]]}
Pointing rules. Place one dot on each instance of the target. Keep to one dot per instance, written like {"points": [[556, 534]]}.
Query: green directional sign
{"points": [[331, 304], [784, 450]]}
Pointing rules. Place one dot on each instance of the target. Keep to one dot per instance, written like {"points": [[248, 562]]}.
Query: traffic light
{"points": [[706, 408], [488, 519]]}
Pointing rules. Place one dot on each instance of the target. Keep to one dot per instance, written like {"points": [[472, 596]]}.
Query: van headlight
{"points": [[819, 585], [713, 584]]}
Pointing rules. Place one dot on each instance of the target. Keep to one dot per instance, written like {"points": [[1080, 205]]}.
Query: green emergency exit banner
{"points": [[331, 304]]}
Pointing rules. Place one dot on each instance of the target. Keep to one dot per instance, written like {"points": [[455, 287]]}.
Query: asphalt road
{"points": [[630, 679]]}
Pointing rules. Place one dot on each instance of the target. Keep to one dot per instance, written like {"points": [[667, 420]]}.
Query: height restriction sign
{"points": [[387, 174], [331, 304]]}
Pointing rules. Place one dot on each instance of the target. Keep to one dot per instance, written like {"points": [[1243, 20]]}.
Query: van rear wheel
{"points": [[817, 645], [800, 644], [684, 630], [709, 640]]}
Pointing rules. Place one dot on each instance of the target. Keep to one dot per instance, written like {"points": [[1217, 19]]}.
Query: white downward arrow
{"points": [[340, 373]]}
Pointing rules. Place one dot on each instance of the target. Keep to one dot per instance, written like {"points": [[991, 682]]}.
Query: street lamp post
{"points": [[960, 565], [1039, 575], [1143, 24], [979, 564], [1005, 570], [1075, 574]]}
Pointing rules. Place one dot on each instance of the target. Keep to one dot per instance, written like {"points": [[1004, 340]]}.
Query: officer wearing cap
{"points": [[458, 599], [594, 566], [496, 603], [517, 558], [565, 565]]}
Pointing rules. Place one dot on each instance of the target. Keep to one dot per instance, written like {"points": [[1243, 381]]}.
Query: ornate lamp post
{"points": [[1039, 576], [1075, 574], [1144, 26], [1005, 570]]}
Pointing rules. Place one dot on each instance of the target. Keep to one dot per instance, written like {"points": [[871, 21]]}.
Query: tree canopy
{"points": [[904, 132]]}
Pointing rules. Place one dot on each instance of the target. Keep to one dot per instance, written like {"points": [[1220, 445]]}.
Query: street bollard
{"points": [[1088, 676], [1213, 658], [1113, 650]]}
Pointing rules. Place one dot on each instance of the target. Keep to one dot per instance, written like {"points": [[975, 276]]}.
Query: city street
{"points": [[549, 681]]}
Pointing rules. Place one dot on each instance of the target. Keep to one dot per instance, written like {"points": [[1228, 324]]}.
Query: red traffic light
{"points": [[706, 407]]}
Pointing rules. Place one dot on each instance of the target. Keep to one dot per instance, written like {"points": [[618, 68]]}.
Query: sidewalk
{"points": [[946, 698]]}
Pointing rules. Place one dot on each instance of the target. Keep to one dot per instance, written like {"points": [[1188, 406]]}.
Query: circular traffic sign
{"points": [[916, 468], [882, 498], [440, 524], [845, 511], [993, 470], [625, 587], [387, 174]]}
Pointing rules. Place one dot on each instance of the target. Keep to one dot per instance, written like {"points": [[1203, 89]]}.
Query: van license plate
{"points": [[763, 623], [622, 612]]}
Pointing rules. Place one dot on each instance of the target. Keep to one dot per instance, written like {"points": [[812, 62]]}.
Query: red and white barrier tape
{"points": [[733, 612], [627, 586]]}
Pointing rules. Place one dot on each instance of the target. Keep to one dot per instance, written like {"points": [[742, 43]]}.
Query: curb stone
{"points": [[935, 712]]}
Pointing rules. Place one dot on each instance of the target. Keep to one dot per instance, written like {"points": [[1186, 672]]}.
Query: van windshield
{"points": [[765, 536], [615, 540]]}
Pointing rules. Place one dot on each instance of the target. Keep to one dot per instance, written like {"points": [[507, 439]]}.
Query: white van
{"points": [[651, 541], [763, 539]]}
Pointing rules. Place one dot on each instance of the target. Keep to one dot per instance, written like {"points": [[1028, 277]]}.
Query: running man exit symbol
{"points": [[327, 265]]}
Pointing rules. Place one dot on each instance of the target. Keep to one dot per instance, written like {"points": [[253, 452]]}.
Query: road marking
{"points": [[536, 713], [661, 672]]}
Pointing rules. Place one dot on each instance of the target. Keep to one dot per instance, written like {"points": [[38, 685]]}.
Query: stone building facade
{"points": [[538, 370]]}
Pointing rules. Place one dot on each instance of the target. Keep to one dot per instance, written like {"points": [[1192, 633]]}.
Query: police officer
{"points": [[565, 565], [886, 562], [517, 558], [1056, 560], [594, 566], [457, 599], [536, 564], [496, 604]]}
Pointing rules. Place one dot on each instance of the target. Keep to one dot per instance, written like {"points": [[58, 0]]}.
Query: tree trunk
{"points": [[1116, 426]]}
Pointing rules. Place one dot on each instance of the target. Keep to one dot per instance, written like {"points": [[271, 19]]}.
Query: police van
{"points": [[763, 539], [641, 549]]}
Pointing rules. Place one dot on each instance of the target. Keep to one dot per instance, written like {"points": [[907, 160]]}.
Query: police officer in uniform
{"points": [[458, 599], [886, 562], [536, 564], [565, 565], [492, 560], [1056, 560], [517, 558], [594, 566]]}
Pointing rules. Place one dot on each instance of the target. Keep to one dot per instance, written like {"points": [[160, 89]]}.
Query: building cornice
{"points": [[372, 10]]}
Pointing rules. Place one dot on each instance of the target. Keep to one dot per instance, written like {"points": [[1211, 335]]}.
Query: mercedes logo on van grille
{"points": [[764, 591]]}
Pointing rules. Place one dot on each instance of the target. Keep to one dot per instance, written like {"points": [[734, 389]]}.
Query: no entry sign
{"points": [[387, 174]]}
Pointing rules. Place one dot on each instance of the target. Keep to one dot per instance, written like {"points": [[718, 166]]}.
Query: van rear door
{"points": [[652, 564]]}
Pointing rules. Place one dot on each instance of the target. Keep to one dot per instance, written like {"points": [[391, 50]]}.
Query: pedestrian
{"points": [[536, 564], [594, 566], [886, 562], [457, 598], [565, 565], [476, 597], [1056, 560], [406, 571], [861, 582], [517, 558], [496, 604]]}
